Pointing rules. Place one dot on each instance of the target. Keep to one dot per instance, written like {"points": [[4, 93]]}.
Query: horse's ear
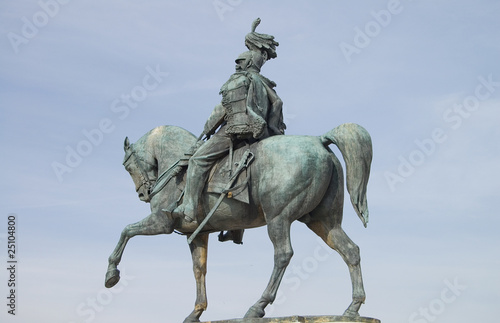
{"points": [[126, 144]]}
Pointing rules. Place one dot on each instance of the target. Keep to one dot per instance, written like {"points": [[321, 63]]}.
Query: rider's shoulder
{"points": [[236, 80]]}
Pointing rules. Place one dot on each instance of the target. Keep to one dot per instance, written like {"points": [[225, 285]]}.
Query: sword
{"points": [[247, 158]]}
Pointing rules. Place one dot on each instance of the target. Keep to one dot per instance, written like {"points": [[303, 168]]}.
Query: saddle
{"points": [[223, 170]]}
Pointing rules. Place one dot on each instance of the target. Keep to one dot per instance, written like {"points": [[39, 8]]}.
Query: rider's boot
{"points": [[186, 211], [233, 235]]}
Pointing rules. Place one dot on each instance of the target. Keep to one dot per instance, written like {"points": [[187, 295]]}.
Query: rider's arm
{"points": [[215, 120], [275, 122]]}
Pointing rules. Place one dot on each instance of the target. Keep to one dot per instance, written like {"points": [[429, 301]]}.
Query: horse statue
{"points": [[292, 178]]}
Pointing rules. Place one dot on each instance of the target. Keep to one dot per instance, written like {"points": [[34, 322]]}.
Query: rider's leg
{"points": [[198, 169]]}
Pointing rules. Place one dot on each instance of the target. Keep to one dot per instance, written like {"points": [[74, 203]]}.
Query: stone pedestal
{"points": [[303, 319]]}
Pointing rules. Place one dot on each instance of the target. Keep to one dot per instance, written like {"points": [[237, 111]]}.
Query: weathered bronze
{"points": [[289, 178]]}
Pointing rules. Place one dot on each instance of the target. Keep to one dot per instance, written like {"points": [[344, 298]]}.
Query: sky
{"points": [[77, 77]]}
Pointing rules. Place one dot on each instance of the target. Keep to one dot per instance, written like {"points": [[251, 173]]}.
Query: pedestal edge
{"points": [[303, 319]]}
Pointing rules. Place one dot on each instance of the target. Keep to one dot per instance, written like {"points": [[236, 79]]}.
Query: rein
{"points": [[165, 177]]}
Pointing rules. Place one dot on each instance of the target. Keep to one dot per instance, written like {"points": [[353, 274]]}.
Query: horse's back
{"points": [[297, 154]]}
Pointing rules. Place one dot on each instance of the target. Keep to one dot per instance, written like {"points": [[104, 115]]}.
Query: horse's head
{"points": [[143, 171]]}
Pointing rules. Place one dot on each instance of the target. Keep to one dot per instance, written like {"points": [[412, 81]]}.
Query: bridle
{"points": [[154, 186], [146, 181]]}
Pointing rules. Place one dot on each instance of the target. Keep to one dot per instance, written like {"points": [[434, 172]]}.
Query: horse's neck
{"points": [[169, 152], [166, 161], [168, 144]]}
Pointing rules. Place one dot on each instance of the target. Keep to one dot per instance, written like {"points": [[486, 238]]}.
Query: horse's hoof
{"points": [[352, 310], [255, 313], [190, 320], [112, 278], [349, 313]]}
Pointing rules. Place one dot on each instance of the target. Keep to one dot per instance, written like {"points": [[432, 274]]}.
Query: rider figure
{"points": [[250, 110]]}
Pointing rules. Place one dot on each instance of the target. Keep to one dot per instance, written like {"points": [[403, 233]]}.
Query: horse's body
{"points": [[292, 178]]}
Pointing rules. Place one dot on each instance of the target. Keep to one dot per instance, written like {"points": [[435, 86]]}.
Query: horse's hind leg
{"points": [[337, 239], [151, 225], [279, 233]]}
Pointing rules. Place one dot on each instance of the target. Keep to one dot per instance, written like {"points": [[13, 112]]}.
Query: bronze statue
{"points": [[286, 178]]}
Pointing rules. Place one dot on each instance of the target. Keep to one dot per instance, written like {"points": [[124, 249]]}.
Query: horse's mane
{"points": [[160, 141]]}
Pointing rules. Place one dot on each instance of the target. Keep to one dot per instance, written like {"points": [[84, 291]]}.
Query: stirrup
{"points": [[180, 213], [189, 218]]}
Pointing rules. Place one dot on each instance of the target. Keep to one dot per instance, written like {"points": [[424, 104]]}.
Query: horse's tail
{"points": [[355, 144]]}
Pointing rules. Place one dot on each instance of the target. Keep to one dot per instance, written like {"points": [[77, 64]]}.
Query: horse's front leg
{"points": [[151, 225], [199, 254]]}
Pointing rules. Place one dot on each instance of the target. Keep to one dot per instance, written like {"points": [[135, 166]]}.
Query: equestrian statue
{"points": [[242, 172]]}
